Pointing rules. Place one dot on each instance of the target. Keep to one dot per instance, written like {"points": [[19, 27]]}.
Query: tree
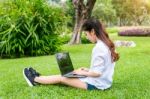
{"points": [[131, 12], [120, 10], [104, 11], [70, 11], [83, 10]]}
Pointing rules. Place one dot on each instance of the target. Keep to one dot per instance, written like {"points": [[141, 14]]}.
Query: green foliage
{"points": [[132, 12], [65, 38], [84, 40], [122, 12], [29, 28], [104, 11], [70, 11]]}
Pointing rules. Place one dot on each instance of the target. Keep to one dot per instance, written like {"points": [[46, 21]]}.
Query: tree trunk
{"points": [[82, 12], [76, 31]]}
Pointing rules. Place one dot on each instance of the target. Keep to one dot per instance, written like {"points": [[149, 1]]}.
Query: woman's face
{"points": [[91, 36]]}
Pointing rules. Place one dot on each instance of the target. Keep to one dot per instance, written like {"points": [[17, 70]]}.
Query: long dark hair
{"points": [[101, 34]]}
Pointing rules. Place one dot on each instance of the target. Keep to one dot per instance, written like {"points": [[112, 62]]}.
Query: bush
{"points": [[84, 40], [135, 31], [29, 28], [65, 38]]}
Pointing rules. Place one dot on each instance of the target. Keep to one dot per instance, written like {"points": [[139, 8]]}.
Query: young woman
{"points": [[100, 73]]}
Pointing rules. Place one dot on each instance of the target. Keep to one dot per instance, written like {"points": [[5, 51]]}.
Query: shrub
{"points": [[135, 31], [84, 40], [65, 38], [29, 28]]}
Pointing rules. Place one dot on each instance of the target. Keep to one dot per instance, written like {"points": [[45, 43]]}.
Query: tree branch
{"points": [[89, 6]]}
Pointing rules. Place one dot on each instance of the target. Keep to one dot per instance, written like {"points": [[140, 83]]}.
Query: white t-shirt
{"points": [[101, 62]]}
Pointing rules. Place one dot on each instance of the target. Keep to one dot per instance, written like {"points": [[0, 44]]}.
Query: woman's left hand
{"points": [[80, 72]]}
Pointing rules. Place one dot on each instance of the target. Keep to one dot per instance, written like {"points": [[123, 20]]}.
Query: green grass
{"points": [[111, 30], [131, 78]]}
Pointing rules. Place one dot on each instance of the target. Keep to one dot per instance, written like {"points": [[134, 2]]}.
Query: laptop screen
{"points": [[64, 62]]}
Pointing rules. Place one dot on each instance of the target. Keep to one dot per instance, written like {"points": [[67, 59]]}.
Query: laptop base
{"points": [[72, 75]]}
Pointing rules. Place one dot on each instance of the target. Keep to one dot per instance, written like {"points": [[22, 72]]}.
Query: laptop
{"points": [[65, 65]]}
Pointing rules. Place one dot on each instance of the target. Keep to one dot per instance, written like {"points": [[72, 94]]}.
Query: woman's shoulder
{"points": [[100, 48]]}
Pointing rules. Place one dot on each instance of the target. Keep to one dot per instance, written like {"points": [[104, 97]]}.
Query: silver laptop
{"points": [[65, 65]]}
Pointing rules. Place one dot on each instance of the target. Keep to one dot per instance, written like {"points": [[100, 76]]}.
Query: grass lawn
{"points": [[131, 78]]}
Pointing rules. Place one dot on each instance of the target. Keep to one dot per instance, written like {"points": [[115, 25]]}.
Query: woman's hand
{"points": [[84, 69], [86, 72], [80, 72]]}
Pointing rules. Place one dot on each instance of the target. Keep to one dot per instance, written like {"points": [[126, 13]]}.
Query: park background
{"points": [[32, 31]]}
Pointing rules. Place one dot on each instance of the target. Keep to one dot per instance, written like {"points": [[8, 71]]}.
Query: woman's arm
{"points": [[87, 73]]}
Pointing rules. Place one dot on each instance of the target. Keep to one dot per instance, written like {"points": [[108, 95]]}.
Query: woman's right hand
{"points": [[84, 69]]}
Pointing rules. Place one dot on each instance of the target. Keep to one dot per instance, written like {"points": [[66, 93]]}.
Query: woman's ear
{"points": [[93, 31]]}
